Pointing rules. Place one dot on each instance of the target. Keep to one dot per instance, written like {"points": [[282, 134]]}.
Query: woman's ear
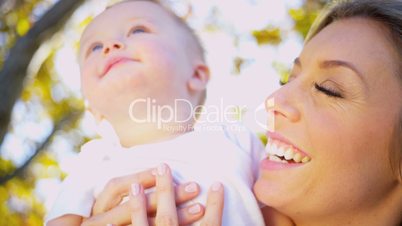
{"points": [[199, 79]]}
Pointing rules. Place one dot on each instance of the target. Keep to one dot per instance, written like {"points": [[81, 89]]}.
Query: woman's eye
{"points": [[331, 92], [96, 47]]}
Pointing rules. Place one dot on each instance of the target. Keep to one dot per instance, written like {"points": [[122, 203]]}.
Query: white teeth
{"points": [[297, 157], [279, 151], [275, 150], [270, 149], [289, 154], [274, 158], [306, 159]]}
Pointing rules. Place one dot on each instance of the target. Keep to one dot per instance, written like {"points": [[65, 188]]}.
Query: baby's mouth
{"points": [[278, 151], [110, 66], [113, 62]]}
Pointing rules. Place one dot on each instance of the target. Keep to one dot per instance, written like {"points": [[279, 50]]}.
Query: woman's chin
{"points": [[270, 194], [281, 192]]}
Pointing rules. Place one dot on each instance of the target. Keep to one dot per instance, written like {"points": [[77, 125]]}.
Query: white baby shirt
{"points": [[226, 153]]}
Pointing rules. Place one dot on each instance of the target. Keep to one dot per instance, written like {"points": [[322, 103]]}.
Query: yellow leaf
{"points": [[297, 14], [268, 36], [85, 22], [283, 72], [23, 27]]}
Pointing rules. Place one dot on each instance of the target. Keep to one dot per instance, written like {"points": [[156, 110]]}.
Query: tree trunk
{"points": [[15, 66]]}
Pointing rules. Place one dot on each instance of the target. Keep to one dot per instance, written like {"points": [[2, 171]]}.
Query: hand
{"points": [[167, 214], [107, 210]]}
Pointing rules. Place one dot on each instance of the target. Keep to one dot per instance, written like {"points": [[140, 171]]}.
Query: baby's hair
{"points": [[193, 38], [195, 46]]}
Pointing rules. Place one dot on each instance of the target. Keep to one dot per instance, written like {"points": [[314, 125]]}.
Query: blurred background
{"points": [[250, 46]]}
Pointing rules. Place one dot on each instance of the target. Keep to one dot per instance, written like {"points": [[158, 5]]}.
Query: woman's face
{"points": [[339, 109]]}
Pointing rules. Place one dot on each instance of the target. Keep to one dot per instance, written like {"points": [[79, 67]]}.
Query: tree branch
{"points": [[67, 119], [15, 67]]}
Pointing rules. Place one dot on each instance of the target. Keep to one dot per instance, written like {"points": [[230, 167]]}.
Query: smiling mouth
{"points": [[278, 151]]}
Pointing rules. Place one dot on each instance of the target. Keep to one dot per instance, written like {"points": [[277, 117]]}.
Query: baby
{"points": [[139, 61]]}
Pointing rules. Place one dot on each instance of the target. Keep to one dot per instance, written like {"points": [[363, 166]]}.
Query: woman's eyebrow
{"points": [[327, 64]]}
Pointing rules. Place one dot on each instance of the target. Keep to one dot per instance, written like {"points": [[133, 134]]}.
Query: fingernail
{"points": [[195, 209], [154, 172], [216, 186], [190, 188], [161, 169], [135, 189], [109, 224]]}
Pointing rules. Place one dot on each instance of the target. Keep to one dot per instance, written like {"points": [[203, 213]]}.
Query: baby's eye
{"points": [[96, 47], [138, 30]]}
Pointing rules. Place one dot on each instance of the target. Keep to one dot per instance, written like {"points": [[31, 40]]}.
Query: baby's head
{"points": [[135, 52]]}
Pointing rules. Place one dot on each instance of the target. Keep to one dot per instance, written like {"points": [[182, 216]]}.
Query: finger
{"points": [[119, 187], [190, 214], [186, 215], [183, 193], [214, 207], [120, 215], [166, 213], [138, 206]]}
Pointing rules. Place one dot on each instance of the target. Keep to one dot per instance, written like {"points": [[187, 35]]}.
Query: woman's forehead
{"points": [[361, 41]]}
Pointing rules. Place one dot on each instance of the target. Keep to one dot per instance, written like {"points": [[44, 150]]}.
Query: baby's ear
{"points": [[200, 77]]}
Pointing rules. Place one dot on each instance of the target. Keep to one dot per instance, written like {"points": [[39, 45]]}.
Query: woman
{"points": [[342, 108]]}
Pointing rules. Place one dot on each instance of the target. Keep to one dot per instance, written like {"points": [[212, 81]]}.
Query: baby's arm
{"points": [[66, 220]]}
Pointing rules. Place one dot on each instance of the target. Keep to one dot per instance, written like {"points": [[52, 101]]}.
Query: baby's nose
{"points": [[114, 45]]}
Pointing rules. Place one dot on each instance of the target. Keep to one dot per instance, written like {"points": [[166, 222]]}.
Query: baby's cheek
{"points": [[87, 80], [161, 53]]}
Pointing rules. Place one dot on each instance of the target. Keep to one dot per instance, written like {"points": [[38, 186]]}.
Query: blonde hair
{"points": [[386, 12]]}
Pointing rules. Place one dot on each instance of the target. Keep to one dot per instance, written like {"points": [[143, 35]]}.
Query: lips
{"points": [[113, 62]]}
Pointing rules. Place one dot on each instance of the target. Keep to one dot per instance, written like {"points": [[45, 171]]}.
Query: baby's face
{"points": [[130, 52]]}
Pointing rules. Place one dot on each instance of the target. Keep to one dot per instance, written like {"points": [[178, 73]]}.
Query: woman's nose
{"points": [[283, 104], [112, 46]]}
